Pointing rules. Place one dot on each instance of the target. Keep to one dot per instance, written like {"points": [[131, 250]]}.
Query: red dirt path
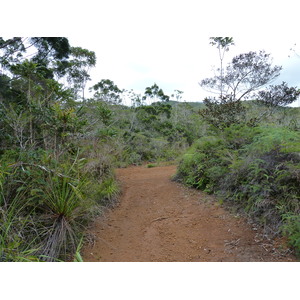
{"points": [[160, 220]]}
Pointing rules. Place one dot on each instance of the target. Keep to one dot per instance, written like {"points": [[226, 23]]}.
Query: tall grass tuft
{"points": [[17, 233], [45, 205], [64, 207]]}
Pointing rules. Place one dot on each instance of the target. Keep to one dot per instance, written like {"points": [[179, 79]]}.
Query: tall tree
{"points": [[278, 95], [245, 74], [106, 90], [77, 68], [155, 93], [41, 50], [222, 43]]}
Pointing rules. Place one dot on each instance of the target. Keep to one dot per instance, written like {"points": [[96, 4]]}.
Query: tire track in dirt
{"points": [[161, 220]]}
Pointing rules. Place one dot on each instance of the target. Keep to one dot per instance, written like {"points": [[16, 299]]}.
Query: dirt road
{"points": [[160, 220]]}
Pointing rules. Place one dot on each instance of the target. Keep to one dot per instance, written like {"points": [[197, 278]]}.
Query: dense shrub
{"points": [[256, 169], [46, 203]]}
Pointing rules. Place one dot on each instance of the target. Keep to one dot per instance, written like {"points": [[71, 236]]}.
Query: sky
{"points": [[180, 65], [138, 43]]}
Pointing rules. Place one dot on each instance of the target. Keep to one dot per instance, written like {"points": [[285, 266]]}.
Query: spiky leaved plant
{"points": [[64, 206], [17, 231]]}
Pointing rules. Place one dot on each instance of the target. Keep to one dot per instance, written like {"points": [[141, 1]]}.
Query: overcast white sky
{"points": [[138, 43], [141, 42], [137, 61]]}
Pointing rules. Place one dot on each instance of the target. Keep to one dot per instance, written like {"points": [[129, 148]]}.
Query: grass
{"points": [[46, 205], [151, 165]]}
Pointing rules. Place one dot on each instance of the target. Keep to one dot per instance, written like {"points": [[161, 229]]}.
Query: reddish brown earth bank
{"points": [[160, 220]]}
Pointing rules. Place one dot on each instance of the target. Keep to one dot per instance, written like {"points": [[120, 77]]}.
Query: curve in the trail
{"points": [[160, 220]]}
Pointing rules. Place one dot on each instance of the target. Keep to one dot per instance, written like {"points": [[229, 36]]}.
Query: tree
{"points": [[54, 57], [31, 119], [36, 110], [56, 48], [77, 68], [222, 44], [17, 122], [8, 49], [135, 99], [246, 73], [177, 95], [223, 112], [106, 90], [155, 93], [30, 75], [278, 95], [41, 50]]}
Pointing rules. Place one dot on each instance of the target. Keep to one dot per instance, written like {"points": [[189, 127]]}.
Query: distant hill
{"points": [[192, 104]]}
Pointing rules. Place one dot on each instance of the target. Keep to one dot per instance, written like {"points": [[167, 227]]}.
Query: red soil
{"points": [[160, 220]]}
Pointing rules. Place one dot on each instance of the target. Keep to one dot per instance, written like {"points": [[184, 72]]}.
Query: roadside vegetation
{"points": [[250, 155], [58, 149]]}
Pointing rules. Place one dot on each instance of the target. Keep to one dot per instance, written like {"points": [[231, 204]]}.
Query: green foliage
{"points": [[106, 193], [151, 165], [279, 95], [255, 169], [47, 168], [271, 138], [17, 234], [238, 136], [76, 69], [44, 50], [292, 230], [104, 113], [77, 256], [106, 90], [199, 163], [45, 204], [156, 93], [223, 113], [57, 154]]}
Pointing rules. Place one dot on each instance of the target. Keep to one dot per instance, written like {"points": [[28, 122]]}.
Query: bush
{"points": [[198, 164], [291, 229], [46, 203], [256, 169]]}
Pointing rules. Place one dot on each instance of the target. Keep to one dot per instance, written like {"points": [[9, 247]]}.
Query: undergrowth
{"points": [[46, 204], [255, 169]]}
